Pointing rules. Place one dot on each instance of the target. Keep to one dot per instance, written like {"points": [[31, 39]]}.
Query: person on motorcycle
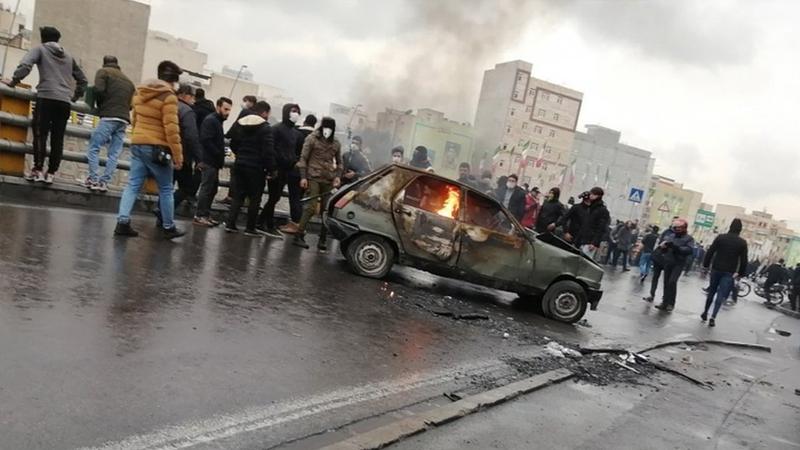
{"points": [[776, 274]]}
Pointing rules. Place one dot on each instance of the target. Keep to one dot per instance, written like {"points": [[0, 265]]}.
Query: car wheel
{"points": [[565, 301], [370, 256]]}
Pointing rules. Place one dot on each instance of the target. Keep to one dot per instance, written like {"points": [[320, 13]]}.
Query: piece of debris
{"points": [[558, 350], [797, 392], [584, 323], [471, 316], [626, 367], [506, 335], [452, 396]]}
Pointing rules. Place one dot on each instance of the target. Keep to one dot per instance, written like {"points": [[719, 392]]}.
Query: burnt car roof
{"points": [[442, 178]]}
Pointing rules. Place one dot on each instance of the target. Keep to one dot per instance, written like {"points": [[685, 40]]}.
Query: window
{"points": [[535, 146], [516, 94], [559, 100], [540, 113], [545, 96], [555, 116], [528, 109], [524, 125], [505, 146], [486, 213], [537, 129], [532, 91], [508, 130], [552, 133], [512, 112], [434, 196]]}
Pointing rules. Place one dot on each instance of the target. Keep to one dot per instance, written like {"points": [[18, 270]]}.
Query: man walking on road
{"points": [[623, 236], [646, 259], [320, 167], [57, 70], [113, 92], [252, 142], [212, 142], [670, 258], [586, 222], [156, 148], [727, 257]]}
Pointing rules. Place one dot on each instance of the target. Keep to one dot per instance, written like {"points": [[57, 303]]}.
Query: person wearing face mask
{"points": [[669, 257], [551, 212], [586, 222], [288, 142], [356, 164], [512, 196], [397, 155], [320, 167], [420, 158]]}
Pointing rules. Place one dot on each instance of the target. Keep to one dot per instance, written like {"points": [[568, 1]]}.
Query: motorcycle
{"points": [[776, 296]]}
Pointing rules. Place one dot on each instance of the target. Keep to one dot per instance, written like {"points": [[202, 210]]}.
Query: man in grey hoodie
{"points": [[57, 70]]}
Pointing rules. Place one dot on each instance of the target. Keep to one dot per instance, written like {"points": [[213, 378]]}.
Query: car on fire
{"points": [[399, 214]]}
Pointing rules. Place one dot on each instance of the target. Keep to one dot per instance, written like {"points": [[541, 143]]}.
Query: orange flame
{"points": [[451, 203]]}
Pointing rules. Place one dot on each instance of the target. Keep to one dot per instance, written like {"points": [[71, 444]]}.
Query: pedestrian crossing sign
{"points": [[636, 195], [664, 207]]}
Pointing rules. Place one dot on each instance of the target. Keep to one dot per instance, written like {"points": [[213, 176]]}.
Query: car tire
{"points": [[565, 301], [370, 256]]}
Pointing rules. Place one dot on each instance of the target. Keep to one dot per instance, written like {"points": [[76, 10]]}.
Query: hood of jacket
{"points": [[251, 120], [736, 226], [54, 48], [287, 109], [154, 88]]}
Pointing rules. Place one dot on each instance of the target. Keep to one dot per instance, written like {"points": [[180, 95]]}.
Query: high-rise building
{"points": [[91, 29], [164, 46], [525, 125], [667, 198], [623, 171]]}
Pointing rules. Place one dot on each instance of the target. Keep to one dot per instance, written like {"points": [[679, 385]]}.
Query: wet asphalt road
{"points": [[105, 339]]}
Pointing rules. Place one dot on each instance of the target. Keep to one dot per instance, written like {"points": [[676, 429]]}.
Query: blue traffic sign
{"points": [[636, 195]]}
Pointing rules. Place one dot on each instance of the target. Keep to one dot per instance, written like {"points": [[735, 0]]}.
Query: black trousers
{"points": [[186, 183], [249, 183], [275, 187], [49, 118]]}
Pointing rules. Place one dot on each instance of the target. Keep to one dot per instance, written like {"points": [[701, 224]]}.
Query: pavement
{"points": [[225, 341]]}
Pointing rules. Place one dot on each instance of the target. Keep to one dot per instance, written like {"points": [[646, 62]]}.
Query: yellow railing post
{"points": [[13, 163]]}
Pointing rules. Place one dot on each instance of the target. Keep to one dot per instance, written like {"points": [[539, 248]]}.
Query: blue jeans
{"points": [[142, 165], [111, 133], [645, 262], [721, 286]]}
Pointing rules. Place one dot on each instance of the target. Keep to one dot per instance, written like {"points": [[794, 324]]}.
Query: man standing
{"points": [[465, 175], [551, 212], [288, 143], [252, 143], [420, 159], [727, 257], [512, 196], [397, 155], [155, 148], [623, 236], [648, 245], [212, 143], [586, 222], [356, 165], [190, 138], [320, 168], [113, 92], [776, 273], [670, 258], [202, 106], [531, 208], [54, 93]]}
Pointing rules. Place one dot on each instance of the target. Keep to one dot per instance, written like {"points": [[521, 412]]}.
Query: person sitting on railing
{"points": [[57, 69], [155, 148], [113, 92]]}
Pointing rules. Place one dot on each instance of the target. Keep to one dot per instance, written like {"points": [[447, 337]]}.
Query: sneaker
{"points": [[663, 307], [214, 223], [322, 247], [229, 229], [125, 229], [33, 175], [299, 241], [202, 221], [704, 317], [40, 177], [49, 178], [648, 299], [626, 270], [252, 233], [89, 184], [712, 322], [290, 228], [101, 187], [272, 232], [172, 233]]}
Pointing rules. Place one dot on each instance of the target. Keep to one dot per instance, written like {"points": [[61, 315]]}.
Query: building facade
{"points": [[91, 29], [525, 125], [623, 171], [666, 199], [162, 46]]}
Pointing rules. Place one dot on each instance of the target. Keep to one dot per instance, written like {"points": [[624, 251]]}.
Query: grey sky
{"points": [[710, 87]]}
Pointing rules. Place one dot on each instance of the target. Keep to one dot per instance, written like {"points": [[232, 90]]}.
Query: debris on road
{"points": [[506, 335], [558, 350], [584, 323]]}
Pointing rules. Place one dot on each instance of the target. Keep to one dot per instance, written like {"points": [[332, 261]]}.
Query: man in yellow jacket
{"points": [[155, 148]]}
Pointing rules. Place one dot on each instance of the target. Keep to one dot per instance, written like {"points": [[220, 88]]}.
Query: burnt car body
{"points": [[399, 214]]}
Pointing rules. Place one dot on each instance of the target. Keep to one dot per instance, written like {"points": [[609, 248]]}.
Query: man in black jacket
{"points": [[202, 106], [794, 292], [586, 222], [727, 257], [252, 143], [776, 273], [190, 138], [212, 141], [288, 144], [355, 163], [551, 212], [512, 196], [670, 258]]}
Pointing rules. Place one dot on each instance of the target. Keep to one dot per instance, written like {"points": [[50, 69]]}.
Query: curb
{"points": [[788, 312], [393, 432]]}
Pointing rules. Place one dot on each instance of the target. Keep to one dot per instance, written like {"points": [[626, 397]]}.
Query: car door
{"points": [[493, 246], [425, 214]]}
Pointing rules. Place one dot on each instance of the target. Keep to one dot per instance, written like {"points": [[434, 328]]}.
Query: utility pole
{"points": [[244, 66]]}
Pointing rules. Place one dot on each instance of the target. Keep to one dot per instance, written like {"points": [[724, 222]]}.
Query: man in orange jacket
{"points": [[155, 148]]}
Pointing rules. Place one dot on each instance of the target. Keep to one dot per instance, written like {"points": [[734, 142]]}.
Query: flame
{"points": [[451, 203]]}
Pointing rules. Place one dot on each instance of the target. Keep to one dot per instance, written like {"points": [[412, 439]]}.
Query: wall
{"points": [[162, 46]]}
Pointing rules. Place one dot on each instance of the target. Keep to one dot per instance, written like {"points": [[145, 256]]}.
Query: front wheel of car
{"points": [[565, 301], [370, 256]]}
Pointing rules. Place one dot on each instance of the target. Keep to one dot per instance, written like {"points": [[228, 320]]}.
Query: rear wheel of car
{"points": [[370, 256], [565, 301]]}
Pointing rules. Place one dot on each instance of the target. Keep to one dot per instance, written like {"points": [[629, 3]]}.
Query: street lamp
{"points": [[244, 66]]}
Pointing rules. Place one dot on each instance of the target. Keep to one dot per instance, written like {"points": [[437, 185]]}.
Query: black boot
{"points": [[125, 229], [322, 245], [300, 240], [172, 233]]}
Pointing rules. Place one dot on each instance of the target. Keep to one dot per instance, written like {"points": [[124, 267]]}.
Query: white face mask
{"points": [[511, 185], [327, 133], [294, 116], [175, 86], [396, 159], [354, 146]]}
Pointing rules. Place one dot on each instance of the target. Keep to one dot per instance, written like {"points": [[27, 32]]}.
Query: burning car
{"points": [[403, 215]]}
